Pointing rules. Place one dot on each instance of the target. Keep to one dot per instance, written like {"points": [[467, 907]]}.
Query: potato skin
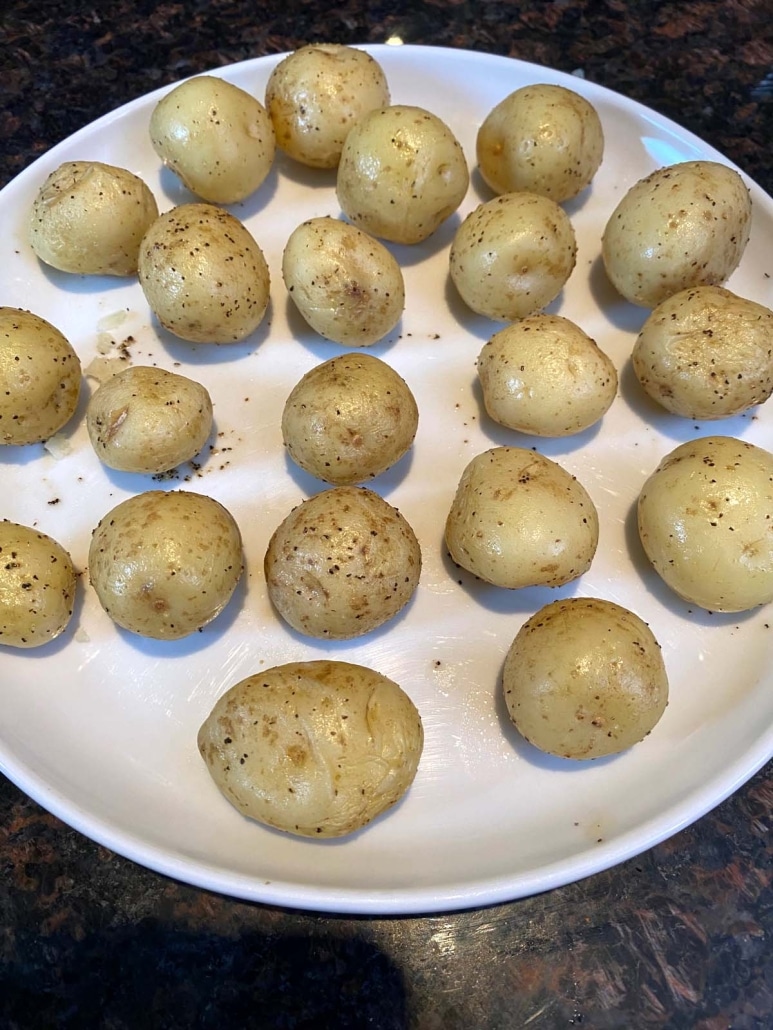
{"points": [[519, 519], [37, 586], [165, 564], [317, 749], [585, 678], [706, 353], [402, 174], [349, 419], [545, 376], [345, 283], [512, 255], [203, 275], [541, 139], [684, 225], [217, 138], [146, 419], [88, 218], [704, 522], [315, 95], [341, 564], [40, 378]]}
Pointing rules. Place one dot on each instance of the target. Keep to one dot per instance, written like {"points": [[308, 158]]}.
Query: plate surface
{"points": [[100, 726]]}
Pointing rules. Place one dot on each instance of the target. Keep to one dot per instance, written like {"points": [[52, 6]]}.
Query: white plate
{"points": [[100, 726]]}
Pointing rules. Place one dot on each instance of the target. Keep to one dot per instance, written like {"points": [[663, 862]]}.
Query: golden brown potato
{"points": [[349, 419], [40, 378], [341, 564], [585, 678], [318, 749]]}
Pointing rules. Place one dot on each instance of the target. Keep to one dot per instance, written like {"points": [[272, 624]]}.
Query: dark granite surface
{"points": [[679, 937]]}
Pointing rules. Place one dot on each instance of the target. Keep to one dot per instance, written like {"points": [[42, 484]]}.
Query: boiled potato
{"points": [[349, 419], [318, 749], [217, 138], [40, 378], [544, 375], [346, 284], [203, 275], [402, 173], [316, 94], [145, 419], [37, 586], [512, 256], [541, 139], [519, 519], [165, 564], [341, 564], [585, 678], [704, 519], [684, 225], [706, 353], [89, 218]]}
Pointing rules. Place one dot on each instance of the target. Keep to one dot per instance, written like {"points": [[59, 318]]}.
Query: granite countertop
{"points": [[681, 936]]}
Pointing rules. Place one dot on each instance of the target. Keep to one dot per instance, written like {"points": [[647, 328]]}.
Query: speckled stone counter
{"points": [[680, 937]]}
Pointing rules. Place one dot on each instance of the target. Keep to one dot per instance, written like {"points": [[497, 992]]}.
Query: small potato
{"points": [[545, 376], [37, 586], [203, 275], [346, 284], [519, 519], [316, 94], [704, 519], [341, 564], [706, 353], [89, 218], [512, 256], [317, 749], [40, 378], [541, 139], [585, 678], [217, 138], [349, 419], [402, 174], [684, 225], [165, 564], [145, 419]]}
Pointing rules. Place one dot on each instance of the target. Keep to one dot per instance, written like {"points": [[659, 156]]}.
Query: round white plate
{"points": [[100, 726]]}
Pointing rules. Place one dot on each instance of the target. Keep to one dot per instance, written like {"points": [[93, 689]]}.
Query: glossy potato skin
{"points": [[317, 749], [163, 565], [37, 586], [585, 678], [341, 564], [40, 378]]}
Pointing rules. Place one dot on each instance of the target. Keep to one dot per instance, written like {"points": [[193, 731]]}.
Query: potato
{"points": [[318, 749], [346, 284], [706, 353], [341, 564], [544, 375], [512, 256], [402, 174], [37, 586], [40, 378], [349, 419], [541, 139], [89, 218], [684, 225], [203, 275], [704, 518], [145, 419], [585, 678], [316, 94], [163, 565], [519, 519]]}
